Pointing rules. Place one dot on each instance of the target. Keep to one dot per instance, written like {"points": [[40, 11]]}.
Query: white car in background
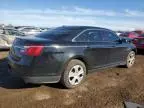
{"points": [[30, 30], [119, 33], [44, 29], [7, 37]]}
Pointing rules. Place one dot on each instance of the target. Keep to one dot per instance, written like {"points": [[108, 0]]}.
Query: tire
{"points": [[74, 74], [130, 61]]}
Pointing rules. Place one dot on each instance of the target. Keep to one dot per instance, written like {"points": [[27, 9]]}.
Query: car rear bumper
{"points": [[37, 74], [28, 78]]}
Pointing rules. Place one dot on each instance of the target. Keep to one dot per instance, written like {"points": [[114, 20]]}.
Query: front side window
{"points": [[109, 36], [89, 36]]}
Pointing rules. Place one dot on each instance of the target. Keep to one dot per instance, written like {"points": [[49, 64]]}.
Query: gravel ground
{"points": [[103, 89]]}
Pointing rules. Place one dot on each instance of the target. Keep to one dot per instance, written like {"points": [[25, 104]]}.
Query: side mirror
{"points": [[123, 40], [119, 40]]}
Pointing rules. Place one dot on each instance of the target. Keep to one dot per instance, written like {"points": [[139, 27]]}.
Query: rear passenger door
{"points": [[97, 52]]}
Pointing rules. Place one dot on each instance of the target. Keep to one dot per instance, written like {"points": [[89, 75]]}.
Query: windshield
{"points": [[60, 33]]}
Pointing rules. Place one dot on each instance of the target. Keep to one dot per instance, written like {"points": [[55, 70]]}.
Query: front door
{"points": [[97, 52], [118, 50]]}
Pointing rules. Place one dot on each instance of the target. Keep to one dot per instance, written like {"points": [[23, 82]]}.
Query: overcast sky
{"points": [[114, 14]]}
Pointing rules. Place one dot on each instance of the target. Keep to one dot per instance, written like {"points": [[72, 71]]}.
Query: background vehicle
{"points": [[7, 37], [140, 32], [1, 30], [139, 42], [30, 30], [138, 39], [119, 33], [44, 29], [66, 54], [131, 35]]}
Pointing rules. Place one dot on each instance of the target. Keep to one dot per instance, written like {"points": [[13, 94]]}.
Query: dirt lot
{"points": [[104, 89]]}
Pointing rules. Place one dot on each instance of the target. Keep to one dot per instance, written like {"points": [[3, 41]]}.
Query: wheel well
{"points": [[135, 50], [83, 60]]}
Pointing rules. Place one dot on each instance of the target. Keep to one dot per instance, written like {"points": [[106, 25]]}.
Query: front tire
{"points": [[74, 74], [130, 59]]}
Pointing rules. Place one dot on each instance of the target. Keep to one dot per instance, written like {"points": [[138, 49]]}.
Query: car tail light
{"points": [[33, 50]]}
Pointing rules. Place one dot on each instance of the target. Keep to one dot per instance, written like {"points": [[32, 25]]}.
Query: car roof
{"points": [[84, 27], [75, 30]]}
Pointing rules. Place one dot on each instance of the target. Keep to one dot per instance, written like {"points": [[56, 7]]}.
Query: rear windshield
{"points": [[60, 33]]}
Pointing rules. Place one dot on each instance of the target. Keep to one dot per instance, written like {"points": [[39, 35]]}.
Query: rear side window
{"points": [[109, 36], [89, 36]]}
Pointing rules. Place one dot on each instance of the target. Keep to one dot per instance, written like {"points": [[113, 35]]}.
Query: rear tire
{"points": [[130, 59], [74, 74]]}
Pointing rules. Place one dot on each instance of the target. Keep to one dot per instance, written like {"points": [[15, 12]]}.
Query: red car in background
{"points": [[131, 35], [138, 39], [139, 42], [140, 32]]}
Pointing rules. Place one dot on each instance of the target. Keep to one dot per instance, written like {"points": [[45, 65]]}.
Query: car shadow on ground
{"points": [[10, 80]]}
